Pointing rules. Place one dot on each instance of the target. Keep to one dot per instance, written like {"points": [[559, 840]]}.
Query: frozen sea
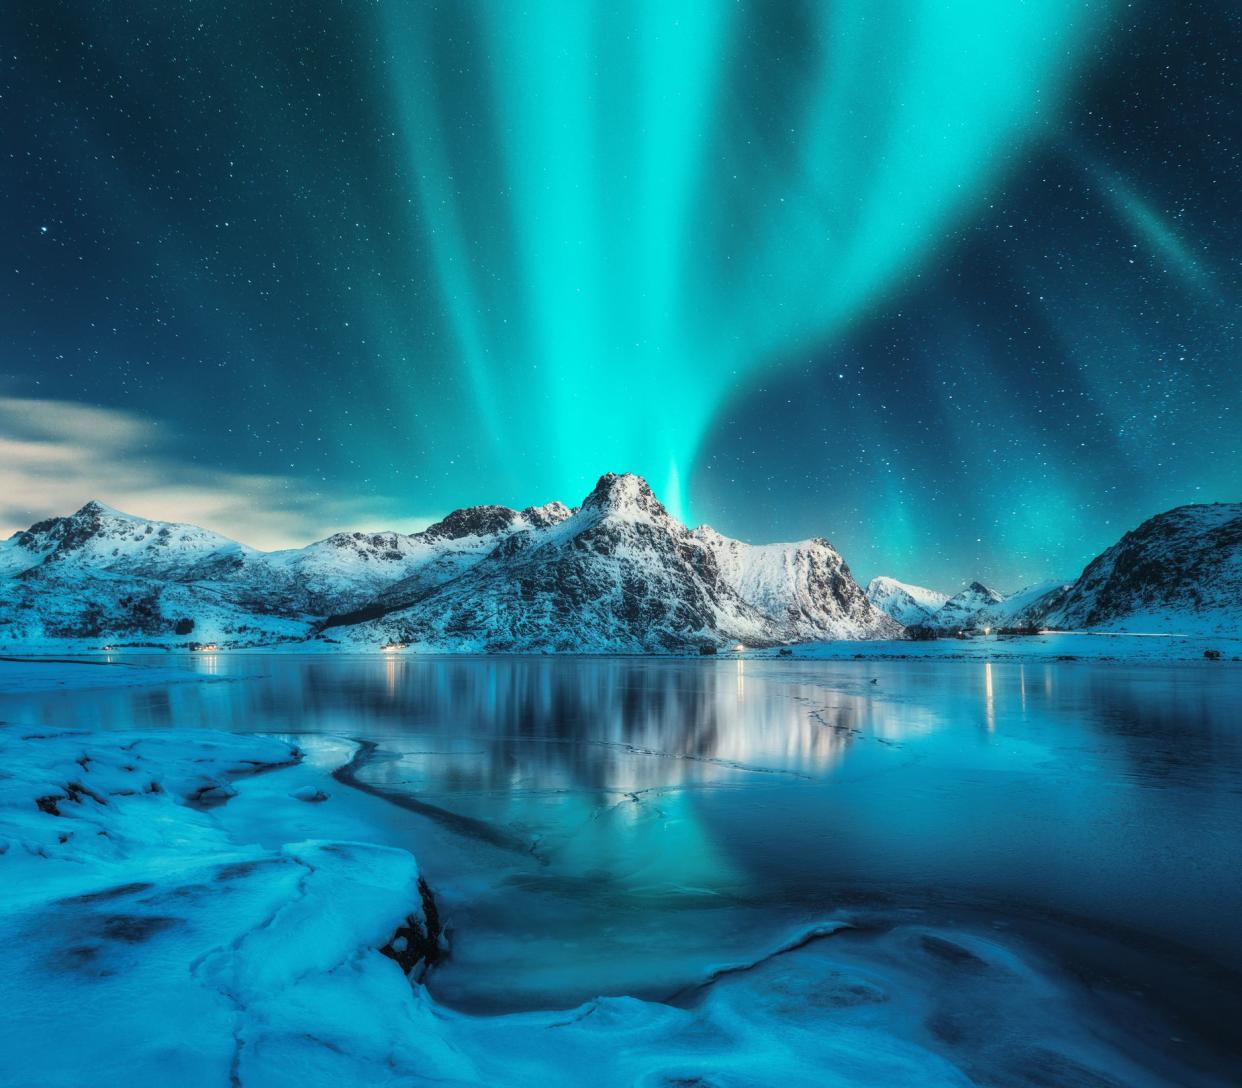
{"points": [[644, 827]]}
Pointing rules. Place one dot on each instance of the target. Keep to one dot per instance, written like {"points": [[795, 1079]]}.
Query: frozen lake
{"points": [[626, 825]]}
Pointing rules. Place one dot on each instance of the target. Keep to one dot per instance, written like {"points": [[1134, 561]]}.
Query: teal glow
{"points": [[933, 278], [1154, 230], [630, 211]]}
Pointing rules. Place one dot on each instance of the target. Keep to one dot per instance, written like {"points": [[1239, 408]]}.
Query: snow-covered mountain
{"points": [[1025, 608], [109, 557], [102, 539], [617, 574], [974, 608], [908, 605], [620, 574], [457, 543], [805, 586], [959, 611], [101, 574], [1179, 572]]}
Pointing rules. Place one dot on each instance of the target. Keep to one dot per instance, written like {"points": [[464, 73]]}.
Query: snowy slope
{"points": [[466, 537], [1025, 608], [56, 605], [346, 567], [907, 604], [805, 586], [102, 539], [1178, 572], [620, 574], [960, 610]]}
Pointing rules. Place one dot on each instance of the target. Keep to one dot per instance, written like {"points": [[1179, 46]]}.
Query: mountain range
{"points": [[616, 574], [1179, 572]]}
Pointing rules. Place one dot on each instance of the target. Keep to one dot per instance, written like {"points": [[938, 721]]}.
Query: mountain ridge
{"points": [[616, 573]]}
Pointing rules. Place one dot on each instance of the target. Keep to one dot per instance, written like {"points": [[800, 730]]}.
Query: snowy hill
{"points": [[1179, 572], [619, 574], [907, 604], [805, 586], [60, 604], [102, 539], [959, 611], [1025, 608]]}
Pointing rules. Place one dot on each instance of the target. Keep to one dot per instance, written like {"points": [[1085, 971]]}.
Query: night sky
{"points": [[955, 284]]}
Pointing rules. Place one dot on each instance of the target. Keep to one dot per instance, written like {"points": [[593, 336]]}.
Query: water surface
{"points": [[625, 825]]}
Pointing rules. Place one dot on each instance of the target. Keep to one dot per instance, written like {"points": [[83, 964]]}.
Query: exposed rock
{"points": [[472, 521], [420, 943]]}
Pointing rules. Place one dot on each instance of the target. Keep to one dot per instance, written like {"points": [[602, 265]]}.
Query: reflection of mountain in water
{"points": [[613, 726], [656, 816]]}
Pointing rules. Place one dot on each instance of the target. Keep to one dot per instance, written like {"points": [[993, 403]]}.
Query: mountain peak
{"points": [[472, 521], [93, 508], [907, 604], [624, 493], [980, 590], [550, 513]]}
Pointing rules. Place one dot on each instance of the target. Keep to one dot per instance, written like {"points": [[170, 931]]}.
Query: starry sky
{"points": [[955, 285]]}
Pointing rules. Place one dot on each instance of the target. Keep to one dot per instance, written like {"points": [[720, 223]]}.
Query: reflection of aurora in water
{"points": [[655, 817]]}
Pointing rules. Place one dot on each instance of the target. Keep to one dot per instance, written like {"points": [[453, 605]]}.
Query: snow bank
{"points": [[144, 944]]}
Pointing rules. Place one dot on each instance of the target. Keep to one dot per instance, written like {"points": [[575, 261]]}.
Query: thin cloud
{"points": [[56, 455]]}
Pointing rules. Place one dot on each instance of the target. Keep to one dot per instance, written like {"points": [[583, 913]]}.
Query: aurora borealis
{"points": [[954, 284]]}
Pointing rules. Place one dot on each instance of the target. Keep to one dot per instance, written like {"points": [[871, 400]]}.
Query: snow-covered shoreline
{"points": [[1096, 646], [161, 930]]}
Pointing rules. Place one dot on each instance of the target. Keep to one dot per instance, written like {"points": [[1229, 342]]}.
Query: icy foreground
{"points": [[148, 942]]}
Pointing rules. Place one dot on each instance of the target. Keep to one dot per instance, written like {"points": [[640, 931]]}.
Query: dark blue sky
{"points": [[958, 290]]}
